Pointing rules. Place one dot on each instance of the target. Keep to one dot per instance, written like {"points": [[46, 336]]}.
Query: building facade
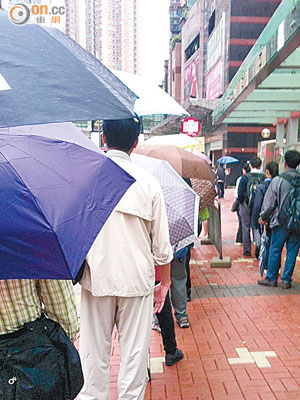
{"points": [[113, 33], [72, 20], [216, 36]]}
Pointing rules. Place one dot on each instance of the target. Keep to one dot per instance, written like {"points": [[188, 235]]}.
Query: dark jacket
{"points": [[258, 201], [242, 189], [221, 174], [275, 197]]}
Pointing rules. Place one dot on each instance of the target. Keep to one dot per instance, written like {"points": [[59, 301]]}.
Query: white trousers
{"points": [[132, 317]]}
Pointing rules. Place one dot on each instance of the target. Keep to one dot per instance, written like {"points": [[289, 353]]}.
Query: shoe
{"points": [[266, 282], [172, 359], [238, 243], [183, 322], [285, 285], [188, 295], [156, 327], [247, 254]]}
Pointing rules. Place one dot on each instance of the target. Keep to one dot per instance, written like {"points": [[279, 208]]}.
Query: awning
{"points": [[152, 99], [267, 85]]}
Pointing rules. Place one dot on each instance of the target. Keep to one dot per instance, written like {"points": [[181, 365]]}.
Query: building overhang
{"points": [[266, 88]]}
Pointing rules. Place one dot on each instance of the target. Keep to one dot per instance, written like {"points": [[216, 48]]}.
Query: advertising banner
{"points": [[214, 81], [215, 61], [191, 79]]}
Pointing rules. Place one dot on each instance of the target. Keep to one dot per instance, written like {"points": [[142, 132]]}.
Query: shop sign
{"points": [[191, 127]]}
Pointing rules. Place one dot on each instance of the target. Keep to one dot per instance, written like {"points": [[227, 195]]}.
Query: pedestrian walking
{"points": [[37, 359], [118, 281], [281, 207], [246, 194], [221, 180]]}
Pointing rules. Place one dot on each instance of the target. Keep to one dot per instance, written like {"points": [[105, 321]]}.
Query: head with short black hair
{"points": [[272, 167], [292, 158], [255, 163], [246, 168], [221, 165], [121, 134]]}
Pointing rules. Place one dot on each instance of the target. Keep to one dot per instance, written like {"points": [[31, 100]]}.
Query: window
{"points": [[192, 48], [211, 23]]}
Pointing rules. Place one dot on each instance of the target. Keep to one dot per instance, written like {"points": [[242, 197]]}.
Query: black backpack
{"points": [[289, 215], [254, 179]]}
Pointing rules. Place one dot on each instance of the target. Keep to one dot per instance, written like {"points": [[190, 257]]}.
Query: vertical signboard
{"points": [[191, 79], [215, 61]]}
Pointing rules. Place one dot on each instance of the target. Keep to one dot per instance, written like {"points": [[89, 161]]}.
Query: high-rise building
{"points": [[113, 33], [72, 19]]}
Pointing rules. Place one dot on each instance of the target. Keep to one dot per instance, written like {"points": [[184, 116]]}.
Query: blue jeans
{"points": [[178, 287], [279, 237]]}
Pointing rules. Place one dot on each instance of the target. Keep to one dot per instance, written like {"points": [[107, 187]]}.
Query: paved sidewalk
{"points": [[244, 340]]}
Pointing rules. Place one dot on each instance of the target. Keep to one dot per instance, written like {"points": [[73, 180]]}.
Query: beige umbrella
{"points": [[185, 163]]}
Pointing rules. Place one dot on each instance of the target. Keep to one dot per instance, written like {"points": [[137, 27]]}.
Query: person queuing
{"points": [[31, 309], [270, 172], [236, 206], [178, 287], [221, 181], [119, 278], [167, 329], [281, 208], [246, 194]]}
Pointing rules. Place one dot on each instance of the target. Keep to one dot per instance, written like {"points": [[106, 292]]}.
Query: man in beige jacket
{"points": [[118, 284]]}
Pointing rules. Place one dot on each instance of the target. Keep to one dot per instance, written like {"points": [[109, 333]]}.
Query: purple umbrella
{"points": [[55, 197]]}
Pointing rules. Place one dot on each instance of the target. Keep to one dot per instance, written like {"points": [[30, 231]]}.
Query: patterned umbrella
{"points": [[182, 203], [185, 163], [206, 191]]}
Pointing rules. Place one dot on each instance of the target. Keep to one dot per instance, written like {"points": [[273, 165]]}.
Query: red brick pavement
{"points": [[220, 325]]}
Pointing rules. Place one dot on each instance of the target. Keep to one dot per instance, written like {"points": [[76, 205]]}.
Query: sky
{"points": [[155, 37], [156, 33]]}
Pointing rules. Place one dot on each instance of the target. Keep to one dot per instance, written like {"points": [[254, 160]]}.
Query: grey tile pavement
{"points": [[242, 291]]}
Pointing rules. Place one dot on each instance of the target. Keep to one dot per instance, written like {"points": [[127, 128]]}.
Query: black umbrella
{"points": [[264, 252], [47, 77]]}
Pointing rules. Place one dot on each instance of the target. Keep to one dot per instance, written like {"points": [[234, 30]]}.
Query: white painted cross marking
{"points": [[251, 357]]}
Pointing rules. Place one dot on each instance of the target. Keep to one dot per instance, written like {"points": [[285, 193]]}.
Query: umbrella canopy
{"points": [[65, 131], [152, 99], [205, 190], [179, 140], [227, 160], [182, 203], [54, 202], [47, 77], [185, 163]]}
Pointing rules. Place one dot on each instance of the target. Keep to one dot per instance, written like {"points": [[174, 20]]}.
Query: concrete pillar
{"points": [[292, 132], [279, 135]]}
